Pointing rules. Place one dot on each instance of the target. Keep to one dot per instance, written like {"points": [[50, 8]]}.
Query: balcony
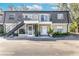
{"points": [[45, 21], [30, 21]]}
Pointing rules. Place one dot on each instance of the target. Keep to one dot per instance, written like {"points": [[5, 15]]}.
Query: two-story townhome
{"points": [[26, 23]]}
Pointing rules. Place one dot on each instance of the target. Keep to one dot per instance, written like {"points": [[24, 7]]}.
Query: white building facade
{"points": [[35, 21]]}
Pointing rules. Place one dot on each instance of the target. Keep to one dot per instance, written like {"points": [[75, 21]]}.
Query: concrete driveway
{"points": [[39, 48]]}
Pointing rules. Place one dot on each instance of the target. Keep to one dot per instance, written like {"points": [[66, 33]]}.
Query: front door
{"points": [[30, 30], [44, 30]]}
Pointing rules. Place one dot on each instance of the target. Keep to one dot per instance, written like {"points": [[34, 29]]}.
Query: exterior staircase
{"points": [[14, 29]]}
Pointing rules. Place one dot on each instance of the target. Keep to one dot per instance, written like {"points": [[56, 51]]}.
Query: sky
{"points": [[40, 6]]}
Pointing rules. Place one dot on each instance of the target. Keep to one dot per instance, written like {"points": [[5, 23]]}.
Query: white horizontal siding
{"points": [[10, 26]]}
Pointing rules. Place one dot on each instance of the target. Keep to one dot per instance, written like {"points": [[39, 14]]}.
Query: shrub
{"points": [[59, 34], [36, 30], [36, 33], [50, 31], [73, 26], [1, 30]]}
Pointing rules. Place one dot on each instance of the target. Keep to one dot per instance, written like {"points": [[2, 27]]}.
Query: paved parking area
{"points": [[39, 48]]}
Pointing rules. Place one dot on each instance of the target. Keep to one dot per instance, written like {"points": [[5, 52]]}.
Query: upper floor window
{"points": [[28, 16], [44, 18], [11, 16], [35, 16], [60, 16], [19, 17]]}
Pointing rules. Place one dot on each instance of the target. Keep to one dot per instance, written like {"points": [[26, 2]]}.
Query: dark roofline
{"points": [[36, 11]]}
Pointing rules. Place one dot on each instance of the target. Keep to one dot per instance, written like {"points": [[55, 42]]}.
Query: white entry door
{"points": [[30, 30], [44, 30]]}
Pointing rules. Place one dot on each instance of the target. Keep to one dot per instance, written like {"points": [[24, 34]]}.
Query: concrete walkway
{"points": [[45, 38]]}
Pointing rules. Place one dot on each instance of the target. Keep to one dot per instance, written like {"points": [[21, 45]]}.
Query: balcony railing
{"points": [[33, 19], [30, 19]]}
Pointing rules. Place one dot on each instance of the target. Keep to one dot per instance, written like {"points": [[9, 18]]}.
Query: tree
{"points": [[63, 6], [73, 26], [73, 9]]}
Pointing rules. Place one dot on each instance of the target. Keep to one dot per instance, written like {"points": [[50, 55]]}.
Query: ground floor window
{"points": [[21, 31], [59, 30]]}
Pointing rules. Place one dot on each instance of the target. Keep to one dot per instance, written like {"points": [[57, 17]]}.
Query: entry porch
{"points": [[34, 30]]}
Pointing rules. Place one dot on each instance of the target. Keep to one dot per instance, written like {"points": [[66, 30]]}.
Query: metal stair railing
{"points": [[14, 29]]}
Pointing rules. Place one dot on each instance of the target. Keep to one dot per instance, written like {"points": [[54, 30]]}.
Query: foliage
{"points": [[73, 26], [63, 6], [50, 31], [1, 29], [59, 34], [73, 9], [2, 33], [36, 30]]}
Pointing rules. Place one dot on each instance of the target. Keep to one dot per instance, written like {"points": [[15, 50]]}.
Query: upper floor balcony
{"points": [[34, 21], [41, 20], [30, 21], [37, 17]]}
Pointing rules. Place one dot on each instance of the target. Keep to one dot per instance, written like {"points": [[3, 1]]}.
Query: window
{"points": [[59, 30], [26, 17], [44, 18], [21, 31], [19, 17], [30, 16], [30, 28], [11, 16], [35, 16], [60, 16]]}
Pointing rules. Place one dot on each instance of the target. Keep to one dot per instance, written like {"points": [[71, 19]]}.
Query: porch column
{"points": [[51, 26], [38, 29], [18, 31]]}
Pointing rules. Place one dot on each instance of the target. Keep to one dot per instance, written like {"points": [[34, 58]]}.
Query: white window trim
{"points": [[12, 14], [47, 16], [60, 16], [28, 29], [59, 27]]}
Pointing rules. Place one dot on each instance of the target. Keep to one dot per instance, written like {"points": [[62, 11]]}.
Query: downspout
{"points": [[38, 28], [68, 18]]}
